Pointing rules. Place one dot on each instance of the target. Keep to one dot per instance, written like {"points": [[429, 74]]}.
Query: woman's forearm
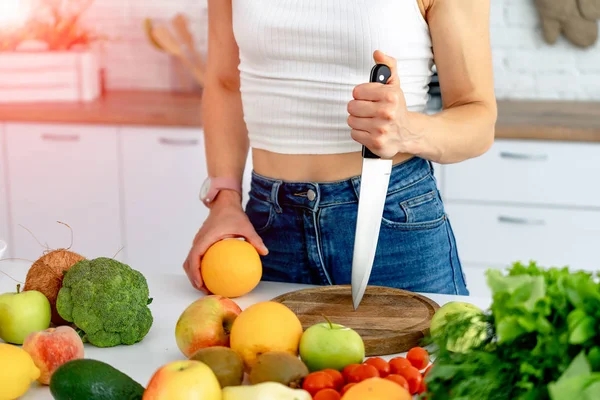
{"points": [[225, 134], [461, 44], [454, 134]]}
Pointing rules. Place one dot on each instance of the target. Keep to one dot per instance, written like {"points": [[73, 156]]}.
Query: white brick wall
{"points": [[524, 65], [131, 62], [527, 67]]}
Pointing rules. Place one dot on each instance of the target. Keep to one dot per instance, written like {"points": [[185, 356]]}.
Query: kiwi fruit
{"points": [[278, 366], [224, 362]]}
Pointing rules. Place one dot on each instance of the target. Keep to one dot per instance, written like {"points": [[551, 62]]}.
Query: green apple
{"points": [[22, 313], [328, 345]]}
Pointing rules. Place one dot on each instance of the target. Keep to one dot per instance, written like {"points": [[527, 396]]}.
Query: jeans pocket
{"points": [[260, 213], [419, 211]]}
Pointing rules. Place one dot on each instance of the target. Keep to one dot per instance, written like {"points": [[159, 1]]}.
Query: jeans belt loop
{"points": [[275, 196]]}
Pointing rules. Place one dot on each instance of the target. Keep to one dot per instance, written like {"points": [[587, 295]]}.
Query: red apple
{"points": [[51, 348], [206, 322], [183, 379]]}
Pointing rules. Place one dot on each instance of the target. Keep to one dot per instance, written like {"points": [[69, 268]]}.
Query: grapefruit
{"points": [[262, 327], [231, 268]]}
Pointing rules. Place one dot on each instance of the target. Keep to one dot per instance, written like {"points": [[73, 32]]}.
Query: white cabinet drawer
{"points": [[3, 195], [66, 173], [492, 235], [519, 171], [163, 169]]}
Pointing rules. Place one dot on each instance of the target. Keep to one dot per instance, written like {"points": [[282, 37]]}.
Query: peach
{"points": [[206, 322], [51, 348]]}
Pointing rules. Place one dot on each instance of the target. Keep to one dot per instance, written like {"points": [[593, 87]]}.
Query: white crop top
{"points": [[301, 59]]}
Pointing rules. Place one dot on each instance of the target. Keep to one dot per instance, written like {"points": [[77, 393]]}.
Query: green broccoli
{"points": [[107, 301]]}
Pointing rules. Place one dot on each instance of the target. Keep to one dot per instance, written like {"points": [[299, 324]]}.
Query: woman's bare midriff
{"points": [[310, 167]]}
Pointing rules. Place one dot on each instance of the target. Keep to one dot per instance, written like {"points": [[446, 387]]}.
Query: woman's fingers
{"points": [[255, 240], [362, 108]]}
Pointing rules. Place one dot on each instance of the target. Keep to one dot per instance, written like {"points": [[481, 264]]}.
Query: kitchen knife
{"points": [[375, 177]]}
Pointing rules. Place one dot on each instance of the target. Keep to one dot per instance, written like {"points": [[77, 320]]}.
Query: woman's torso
{"points": [[300, 60]]}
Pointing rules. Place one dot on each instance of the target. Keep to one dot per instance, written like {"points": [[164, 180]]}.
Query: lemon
{"points": [[17, 371]]}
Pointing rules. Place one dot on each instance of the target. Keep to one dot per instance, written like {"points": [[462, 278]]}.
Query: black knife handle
{"points": [[379, 73]]}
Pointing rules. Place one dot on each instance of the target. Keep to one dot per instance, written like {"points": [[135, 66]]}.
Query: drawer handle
{"points": [[522, 156], [520, 221], [54, 137], [178, 142]]}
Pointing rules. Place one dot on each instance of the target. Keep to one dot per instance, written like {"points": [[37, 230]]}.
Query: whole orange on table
{"points": [[262, 327], [376, 389], [231, 268]]}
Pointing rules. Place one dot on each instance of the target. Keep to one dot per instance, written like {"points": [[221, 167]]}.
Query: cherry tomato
{"points": [[347, 369], [362, 372], [382, 366], [338, 378], [316, 381], [346, 387], [413, 377], [399, 379], [422, 387], [398, 363], [327, 394], [418, 357]]}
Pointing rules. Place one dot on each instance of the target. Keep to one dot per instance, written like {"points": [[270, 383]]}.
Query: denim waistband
{"points": [[312, 195]]}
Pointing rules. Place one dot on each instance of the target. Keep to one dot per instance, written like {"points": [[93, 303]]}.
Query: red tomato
{"points": [[399, 379], [338, 378], [346, 387], [327, 394], [362, 372], [316, 381], [347, 369], [413, 377], [382, 366], [398, 363], [418, 357], [422, 387]]}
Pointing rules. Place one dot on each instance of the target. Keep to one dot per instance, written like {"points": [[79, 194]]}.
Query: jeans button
{"points": [[311, 194]]}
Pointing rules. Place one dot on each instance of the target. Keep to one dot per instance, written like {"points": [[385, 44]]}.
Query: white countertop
{"points": [[171, 294]]}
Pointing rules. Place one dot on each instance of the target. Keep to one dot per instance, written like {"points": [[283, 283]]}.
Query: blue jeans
{"points": [[309, 229]]}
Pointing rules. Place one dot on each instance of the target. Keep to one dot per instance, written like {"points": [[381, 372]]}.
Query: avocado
{"points": [[88, 379]]}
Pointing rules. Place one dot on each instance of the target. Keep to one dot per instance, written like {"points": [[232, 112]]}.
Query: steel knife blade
{"points": [[375, 177]]}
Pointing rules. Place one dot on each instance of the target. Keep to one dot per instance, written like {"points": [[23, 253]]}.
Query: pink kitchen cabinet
{"points": [[66, 173]]}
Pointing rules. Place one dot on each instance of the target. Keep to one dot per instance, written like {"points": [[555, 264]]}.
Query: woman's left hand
{"points": [[379, 117]]}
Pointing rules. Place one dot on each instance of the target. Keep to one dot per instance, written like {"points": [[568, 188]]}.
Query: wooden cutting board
{"points": [[389, 320]]}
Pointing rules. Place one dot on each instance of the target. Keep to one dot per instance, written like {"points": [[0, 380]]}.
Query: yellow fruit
{"points": [[17, 371], [262, 327], [377, 389], [231, 268]]}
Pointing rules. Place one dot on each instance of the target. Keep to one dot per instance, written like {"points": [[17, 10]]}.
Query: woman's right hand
{"points": [[227, 219]]}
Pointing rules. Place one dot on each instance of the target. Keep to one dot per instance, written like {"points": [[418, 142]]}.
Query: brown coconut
{"points": [[46, 275]]}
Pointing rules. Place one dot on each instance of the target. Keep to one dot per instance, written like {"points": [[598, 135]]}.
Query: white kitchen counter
{"points": [[171, 294]]}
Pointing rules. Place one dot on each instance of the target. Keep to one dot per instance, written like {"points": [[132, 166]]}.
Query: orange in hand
{"points": [[231, 268]]}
